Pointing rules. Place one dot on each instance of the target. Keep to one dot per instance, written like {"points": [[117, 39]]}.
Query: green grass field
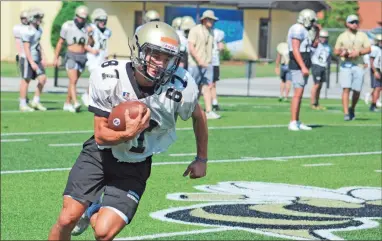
{"points": [[250, 145]]}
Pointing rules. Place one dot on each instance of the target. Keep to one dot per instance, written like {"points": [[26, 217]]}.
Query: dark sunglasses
{"points": [[354, 22]]}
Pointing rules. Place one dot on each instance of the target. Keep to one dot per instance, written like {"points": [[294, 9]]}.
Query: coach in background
{"points": [[200, 44], [350, 46]]}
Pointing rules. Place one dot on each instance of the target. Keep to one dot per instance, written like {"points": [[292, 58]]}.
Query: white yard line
{"points": [[183, 154], [317, 165], [182, 129], [14, 140], [163, 235], [67, 144], [378, 170], [17, 111], [251, 159]]}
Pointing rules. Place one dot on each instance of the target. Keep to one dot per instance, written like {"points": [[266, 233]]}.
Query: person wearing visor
{"points": [[32, 60], [77, 35], [150, 16], [320, 61], [107, 182], [350, 46], [101, 35], [200, 46], [300, 43], [376, 66]]}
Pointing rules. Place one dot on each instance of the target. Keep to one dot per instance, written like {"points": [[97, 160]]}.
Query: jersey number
{"points": [[140, 148], [174, 95], [102, 44], [109, 63], [81, 41]]}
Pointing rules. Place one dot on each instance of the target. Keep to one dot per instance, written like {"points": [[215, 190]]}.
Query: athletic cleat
{"points": [[212, 115], [303, 127], [26, 108], [77, 107], [38, 106], [69, 107], [347, 117], [215, 108], [351, 114], [81, 225], [293, 126]]}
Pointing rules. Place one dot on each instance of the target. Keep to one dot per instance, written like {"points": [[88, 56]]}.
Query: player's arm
{"points": [[43, 56], [58, 50], [277, 68], [28, 55], [296, 53]]}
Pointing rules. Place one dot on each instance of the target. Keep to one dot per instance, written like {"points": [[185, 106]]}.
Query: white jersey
{"points": [[32, 35], [183, 41], [218, 38], [376, 53], [73, 35], [321, 55], [115, 83], [298, 31], [100, 43], [17, 29]]}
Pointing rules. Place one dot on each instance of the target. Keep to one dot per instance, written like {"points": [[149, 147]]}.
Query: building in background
{"points": [[253, 29]]}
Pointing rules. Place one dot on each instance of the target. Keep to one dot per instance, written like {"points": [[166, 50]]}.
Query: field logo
{"points": [[279, 210]]}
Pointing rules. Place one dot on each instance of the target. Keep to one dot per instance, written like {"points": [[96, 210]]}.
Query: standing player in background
{"points": [[150, 16], [32, 60], [320, 61], [185, 26], [17, 34], [101, 34], [300, 44], [118, 163], [217, 48], [350, 46], [176, 23], [376, 66], [77, 35], [283, 70]]}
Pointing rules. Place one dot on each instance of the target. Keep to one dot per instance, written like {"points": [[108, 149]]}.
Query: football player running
{"points": [[101, 34], [77, 35], [118, 164]]}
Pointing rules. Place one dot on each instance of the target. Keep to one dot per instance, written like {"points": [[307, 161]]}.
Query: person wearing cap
{"points": [[200, 45], [282, 69], [101, 35], [375, 67], [150, 16], [32, 60], [78, 36], [350, 46], [320, 62]]}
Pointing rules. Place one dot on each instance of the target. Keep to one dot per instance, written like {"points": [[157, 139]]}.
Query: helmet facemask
{"points": [[147, 63], [37, 19]]}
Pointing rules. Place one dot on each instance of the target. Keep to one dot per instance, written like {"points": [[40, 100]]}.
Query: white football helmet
{"points": [[99, 14], [176, 22], [307, 17], [187, 23], [82, 11], [151, 16], [34, 14]]}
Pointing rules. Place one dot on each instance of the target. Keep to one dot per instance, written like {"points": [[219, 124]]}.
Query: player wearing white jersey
{"points": [[118, 164], [376, 66], [17, 34], [185, 26], [101, 34], [217, 48], [78, 36], [32, 60]]}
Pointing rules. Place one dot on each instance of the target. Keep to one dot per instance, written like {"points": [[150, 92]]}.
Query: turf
{"points": [[30, 202]]}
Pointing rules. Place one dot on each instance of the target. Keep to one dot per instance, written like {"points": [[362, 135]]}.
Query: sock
{"points": [[23, 102], [36, 99], [214, 102]]}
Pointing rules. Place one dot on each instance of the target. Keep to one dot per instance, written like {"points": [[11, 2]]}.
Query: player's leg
{"points": [[216, 77], [85, 184], [323, 80], [282, 83], [299, 82], [207, 83], [288, 82], [26, 75], [377, 85], [41, 81], [345, 81], [121, 197], [356, 86]]}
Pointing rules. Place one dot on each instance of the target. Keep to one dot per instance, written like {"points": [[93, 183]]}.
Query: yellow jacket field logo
{"points": [[279, 210]]}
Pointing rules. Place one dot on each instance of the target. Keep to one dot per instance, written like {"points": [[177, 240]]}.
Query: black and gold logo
{"points": [[280, 210]]}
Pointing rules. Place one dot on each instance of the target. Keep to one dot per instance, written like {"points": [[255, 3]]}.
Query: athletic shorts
{"points": [[26, 69], [98, 171], [375, 83], [202, 76], [216, 73], [319, 74], [285, 73], [352, 77], [75, 61], [298, 79]]}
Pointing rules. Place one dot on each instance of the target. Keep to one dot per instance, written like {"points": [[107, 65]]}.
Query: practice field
{"points": [[263, 181]]}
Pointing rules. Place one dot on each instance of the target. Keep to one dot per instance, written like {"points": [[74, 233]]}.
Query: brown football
{"points": [[116, 120]]}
